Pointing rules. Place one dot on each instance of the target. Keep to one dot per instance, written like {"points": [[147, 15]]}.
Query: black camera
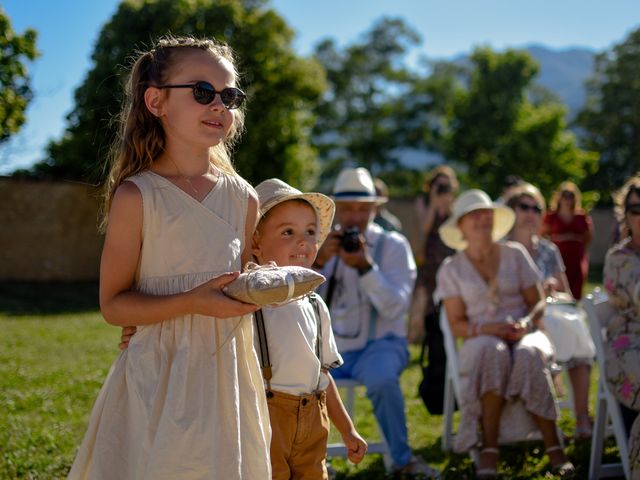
{"points": [[350, 241], [443, 188]]}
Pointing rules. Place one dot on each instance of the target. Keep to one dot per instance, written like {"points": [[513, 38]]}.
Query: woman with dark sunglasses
{"points": [[622, 283], [564, 323], [571, 229]]}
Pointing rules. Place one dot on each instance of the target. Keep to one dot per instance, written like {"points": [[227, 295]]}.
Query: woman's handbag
{"points": [[434, 374]]}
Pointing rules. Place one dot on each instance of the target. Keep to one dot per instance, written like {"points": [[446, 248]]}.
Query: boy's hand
{"points": [[125, 336], [356, 446]]}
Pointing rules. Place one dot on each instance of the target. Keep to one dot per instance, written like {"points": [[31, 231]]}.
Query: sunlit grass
{"points": [[52, 366]]}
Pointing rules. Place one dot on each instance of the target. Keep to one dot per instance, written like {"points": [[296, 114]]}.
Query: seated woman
{"points": [[493, 298], [568, 332], [622, 283]]}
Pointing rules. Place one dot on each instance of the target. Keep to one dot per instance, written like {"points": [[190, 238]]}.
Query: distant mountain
{"points": [[564, 72]]}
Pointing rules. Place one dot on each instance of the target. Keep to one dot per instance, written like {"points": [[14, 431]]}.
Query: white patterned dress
{"points": [[622, 350]]}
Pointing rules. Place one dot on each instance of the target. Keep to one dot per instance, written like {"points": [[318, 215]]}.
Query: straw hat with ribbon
{"points": [[356, 185], [469, 201], [274, 191]]}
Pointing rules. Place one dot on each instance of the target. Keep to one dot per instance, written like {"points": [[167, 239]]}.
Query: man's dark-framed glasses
{"points": [[204, 93]]}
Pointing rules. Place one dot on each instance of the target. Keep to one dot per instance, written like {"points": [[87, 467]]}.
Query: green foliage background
{"points": [[359, 104], [15, 90], [281, 87]]}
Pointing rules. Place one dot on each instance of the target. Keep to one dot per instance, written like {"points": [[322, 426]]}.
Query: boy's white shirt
{"points": [[291, 336]]}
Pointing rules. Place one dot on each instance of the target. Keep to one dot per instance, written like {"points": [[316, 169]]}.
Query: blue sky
{"points": [[68, 30]]}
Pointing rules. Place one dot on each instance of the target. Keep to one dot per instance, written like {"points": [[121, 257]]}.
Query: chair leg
{"points": [[597, 437], [449, 407]]}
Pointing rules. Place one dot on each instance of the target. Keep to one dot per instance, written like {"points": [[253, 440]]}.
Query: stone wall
{"points": [[48, 231]]}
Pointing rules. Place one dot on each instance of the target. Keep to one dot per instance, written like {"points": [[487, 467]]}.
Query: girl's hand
{"points": [[208, 299], [356, 446]]}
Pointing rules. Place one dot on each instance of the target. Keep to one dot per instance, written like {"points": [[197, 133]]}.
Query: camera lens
{"points": [[351, 240]]}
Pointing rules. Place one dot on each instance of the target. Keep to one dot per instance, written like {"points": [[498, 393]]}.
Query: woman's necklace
{"points": [[185, 178]]}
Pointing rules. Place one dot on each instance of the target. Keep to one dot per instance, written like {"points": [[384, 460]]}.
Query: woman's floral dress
{"points": [[622, 350]]}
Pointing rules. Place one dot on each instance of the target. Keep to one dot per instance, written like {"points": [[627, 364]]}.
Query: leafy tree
{"points": [[365, 114], [495, 130], [281, 87], [15, 92], [610, 120]]}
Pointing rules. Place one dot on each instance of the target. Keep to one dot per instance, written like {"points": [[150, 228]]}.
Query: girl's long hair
{"points": [[141, 138]]}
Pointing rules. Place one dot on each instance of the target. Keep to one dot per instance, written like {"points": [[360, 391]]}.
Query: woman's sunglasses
{"points": [[529, 208], [632, 208], [204, 94], [567, 194]]}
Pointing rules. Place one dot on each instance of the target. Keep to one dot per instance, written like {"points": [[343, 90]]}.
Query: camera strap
{"points": [[331, 284], [377, 258]]}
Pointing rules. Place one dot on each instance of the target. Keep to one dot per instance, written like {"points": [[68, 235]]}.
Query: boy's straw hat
{"points": [[356, 185], [469, 201], [274, 191]]}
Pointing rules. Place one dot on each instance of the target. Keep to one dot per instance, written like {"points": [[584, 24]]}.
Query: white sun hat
{"points": [[356, 185], [469, 201], [274, 191]]}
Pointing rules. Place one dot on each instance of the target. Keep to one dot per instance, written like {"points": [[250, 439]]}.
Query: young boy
{"points": [[296, 340], [300, 390]]}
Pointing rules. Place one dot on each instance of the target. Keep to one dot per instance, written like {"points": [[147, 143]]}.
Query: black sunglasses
{"points": [[529, 208], [632, 208], [204, 94]]}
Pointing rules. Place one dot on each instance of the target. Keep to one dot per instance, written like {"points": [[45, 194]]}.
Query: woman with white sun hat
{"points": [[493, 299]]}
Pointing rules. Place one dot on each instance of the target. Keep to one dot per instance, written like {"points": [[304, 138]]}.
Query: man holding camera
{"points": [[370, 277]]}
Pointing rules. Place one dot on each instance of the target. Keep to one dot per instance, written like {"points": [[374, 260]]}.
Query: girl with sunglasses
{"points": [[185, 399], [564, 323], [622, 283], [571, 229]]}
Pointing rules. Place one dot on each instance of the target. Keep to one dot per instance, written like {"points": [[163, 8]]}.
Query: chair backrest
{"points": [[599, 311]]}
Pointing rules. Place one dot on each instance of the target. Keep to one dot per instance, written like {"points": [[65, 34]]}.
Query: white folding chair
{"points": [[608, 415], [453, 393], [349, 385]]}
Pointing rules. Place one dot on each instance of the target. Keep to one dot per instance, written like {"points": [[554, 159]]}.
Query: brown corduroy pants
{"points": [[299, 435]]}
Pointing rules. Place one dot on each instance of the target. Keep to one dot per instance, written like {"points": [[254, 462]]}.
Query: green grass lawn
{"points": [[55, 351]]}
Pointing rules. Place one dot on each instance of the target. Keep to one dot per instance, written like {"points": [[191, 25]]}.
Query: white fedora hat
{"points": [[274, 191], [356, 185], [469, 201]]}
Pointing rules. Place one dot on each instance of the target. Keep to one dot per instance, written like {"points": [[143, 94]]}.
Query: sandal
{"points": [[563, 469], [488, 473], [583, 427]]}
